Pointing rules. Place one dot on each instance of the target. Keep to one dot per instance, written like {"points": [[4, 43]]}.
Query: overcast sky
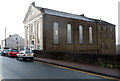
{"points": [[13, 12]]}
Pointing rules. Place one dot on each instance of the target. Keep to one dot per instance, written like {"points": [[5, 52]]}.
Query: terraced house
{"points": [[52, 30]]}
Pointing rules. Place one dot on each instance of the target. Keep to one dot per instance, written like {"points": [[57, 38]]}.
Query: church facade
{"points": [[52, 30]]}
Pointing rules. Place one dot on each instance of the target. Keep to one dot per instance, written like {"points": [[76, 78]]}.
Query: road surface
{"points": [[14, 69]]}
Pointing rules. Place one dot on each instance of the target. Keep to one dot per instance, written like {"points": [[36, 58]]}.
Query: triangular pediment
{"points": [[32, 13]]}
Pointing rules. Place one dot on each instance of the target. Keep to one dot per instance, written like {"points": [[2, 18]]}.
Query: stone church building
{"points": [[52, 30]]}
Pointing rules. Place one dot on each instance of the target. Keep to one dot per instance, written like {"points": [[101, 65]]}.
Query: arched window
{"points": [[55, 32], [69, 37], [90, 35], [80, 34]]}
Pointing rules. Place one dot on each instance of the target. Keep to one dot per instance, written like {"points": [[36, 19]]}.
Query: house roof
{"points": [[10, 36], [68, 15], [64, 14]]}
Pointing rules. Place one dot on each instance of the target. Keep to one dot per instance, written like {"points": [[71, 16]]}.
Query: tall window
{"points": [[105, 35], [111, 36], [105, 28], [111, 28], [69, 37], [99, 28], [80, 34], [55, 32], [100, 35], [90, 35]]}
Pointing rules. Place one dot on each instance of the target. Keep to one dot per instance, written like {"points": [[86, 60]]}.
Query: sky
{"points": [[13, 12]]}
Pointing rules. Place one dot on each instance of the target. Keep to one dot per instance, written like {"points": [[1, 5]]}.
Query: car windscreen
{"points": [[14, 50], [6, 50], [28, 52]]}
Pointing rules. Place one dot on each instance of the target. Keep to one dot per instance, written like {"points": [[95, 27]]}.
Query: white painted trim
{"points": [[29, 22]]}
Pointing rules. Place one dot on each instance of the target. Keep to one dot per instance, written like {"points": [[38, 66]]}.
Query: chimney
{"points": [[33, 3], [82, 15], [9, 35]]}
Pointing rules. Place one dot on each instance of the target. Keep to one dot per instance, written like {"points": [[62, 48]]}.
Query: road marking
{"points": [[80, 71]]}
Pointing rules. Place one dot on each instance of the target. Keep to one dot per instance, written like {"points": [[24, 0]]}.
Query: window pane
{"points": [[80, 34], [55, 32], [99, 27], [105, 28], [100, 35], [69, 39], [111, 36], [105, 35], [111, 28], [90, 35]]}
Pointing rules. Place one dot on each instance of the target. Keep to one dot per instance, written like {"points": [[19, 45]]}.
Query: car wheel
{"points": [[17, 58], [23, 59], [31, 59]]}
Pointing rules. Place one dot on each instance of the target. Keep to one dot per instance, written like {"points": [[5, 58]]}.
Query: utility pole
{"points": [[5, 36]]}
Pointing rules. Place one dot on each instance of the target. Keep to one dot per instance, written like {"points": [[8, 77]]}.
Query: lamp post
{"points": [[5, 36]]}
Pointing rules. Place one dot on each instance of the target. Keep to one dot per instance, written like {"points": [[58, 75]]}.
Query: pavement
{"points": [[84, 67]]}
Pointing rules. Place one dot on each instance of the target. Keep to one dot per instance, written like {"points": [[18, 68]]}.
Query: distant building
{"points": [[52, 30], [14, 42], [118, 49], [2, 44]]}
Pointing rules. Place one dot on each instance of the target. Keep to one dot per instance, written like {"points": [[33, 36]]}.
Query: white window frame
{"points": [[90, 35], [80, 34], [55, 33], [69, 34]]}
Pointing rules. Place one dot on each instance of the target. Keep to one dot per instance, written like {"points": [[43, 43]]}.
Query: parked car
{"points": [[13, 53], [5, 52], [1, 51], [24, 55]]}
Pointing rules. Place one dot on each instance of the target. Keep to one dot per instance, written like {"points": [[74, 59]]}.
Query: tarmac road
{"points": [[14, 69]]}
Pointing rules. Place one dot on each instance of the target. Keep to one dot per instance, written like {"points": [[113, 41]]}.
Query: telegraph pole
{"points": [[5, 36]]}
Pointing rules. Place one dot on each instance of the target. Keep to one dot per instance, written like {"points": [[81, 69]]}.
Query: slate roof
{"points": [[64, 14], [68, 15]]}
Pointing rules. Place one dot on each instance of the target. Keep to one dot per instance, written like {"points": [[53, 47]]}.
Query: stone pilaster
{"points": [[35, 45], [41, 34], [25, 41]]}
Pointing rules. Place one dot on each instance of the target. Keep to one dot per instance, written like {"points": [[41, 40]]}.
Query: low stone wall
{"points": [[103, 60]]}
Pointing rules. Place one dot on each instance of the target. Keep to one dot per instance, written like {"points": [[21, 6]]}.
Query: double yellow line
{"points": [[80, 71]]}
